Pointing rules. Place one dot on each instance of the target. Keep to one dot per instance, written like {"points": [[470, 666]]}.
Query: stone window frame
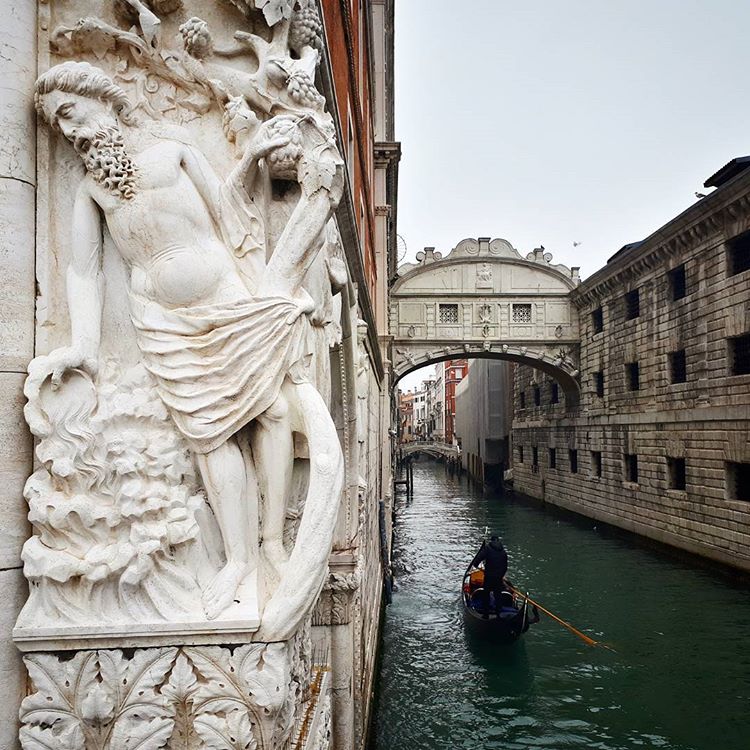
{"points": [[573, 460], [630, 468], [552, 458], [677, 278], [554, 397], [518, 311], [633, 376], [534, 458], [738, 354], [596, 465], [522, 399], [677, 473], [598, 377], [537, 395], [737, 481], [738, 254], [632, 302], [520, 454], [597, 320], [678, 366]]}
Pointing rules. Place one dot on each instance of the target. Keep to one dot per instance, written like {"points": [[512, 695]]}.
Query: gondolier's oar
{"points": [[588, 641]]}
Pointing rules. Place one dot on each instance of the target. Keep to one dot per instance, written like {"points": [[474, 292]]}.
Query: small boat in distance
{"points": [[506, 620]]}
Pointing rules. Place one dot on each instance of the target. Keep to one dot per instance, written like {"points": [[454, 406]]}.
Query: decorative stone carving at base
{"points": [[251, 697]]}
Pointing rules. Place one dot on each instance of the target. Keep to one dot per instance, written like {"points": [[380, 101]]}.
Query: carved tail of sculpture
{"points": [[308, 564]]}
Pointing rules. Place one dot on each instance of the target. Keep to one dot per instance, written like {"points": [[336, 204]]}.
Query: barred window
{"points": [[552, 458], [676, 471], [632, 304], [633, 376], [678, 366], [522, 313], [522, 397], [677, 283], [448, 313], [631, 467], [739, 254], [520, 454], [738, 481], [597, 320], [599, 383], [537, 396], [534, 456], [739, 354], [555, 393], [573, 455], [596, 463]]}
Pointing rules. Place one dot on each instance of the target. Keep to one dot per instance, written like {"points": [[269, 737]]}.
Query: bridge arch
{"points": [[485, 300]]}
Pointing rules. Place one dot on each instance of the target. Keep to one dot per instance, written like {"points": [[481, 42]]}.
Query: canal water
{"points": [[679, 679]]}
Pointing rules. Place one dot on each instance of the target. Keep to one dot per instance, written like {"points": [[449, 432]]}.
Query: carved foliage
{"points": [[197, 698]]}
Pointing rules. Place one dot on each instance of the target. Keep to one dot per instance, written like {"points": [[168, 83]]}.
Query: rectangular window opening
{"points": [[677, 282], [678, 366], [520, 454], [599, 383], [597, 320], [573, 454], [632, 305], [739, 354], [738, 481], [633, 375], [555, 393], [552, 458], [631, 467], [535, 456], [522, 313], [596, 463], [537, 396], [522, 399], [676, 470], [448, 313], [739, 254]]}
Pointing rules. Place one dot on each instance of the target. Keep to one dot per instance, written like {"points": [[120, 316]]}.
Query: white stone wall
{"points": [[17, 243]]}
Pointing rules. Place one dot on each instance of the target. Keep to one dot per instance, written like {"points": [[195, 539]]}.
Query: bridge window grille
{"points": [[573, 456], [676, 471], [739, 254], [552, 458], [555, 393], [522, 313], [599, 383], [537, 396], [631, 467], [633, 375], [596, 463], [448, 313], [597, 320], [739, 354], [677, 282], [522, 399], [738, 481], [632, 305], [678, 366], [520, 454]]}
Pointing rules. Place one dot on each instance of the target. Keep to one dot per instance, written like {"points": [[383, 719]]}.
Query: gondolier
{"points": [[495, 560]]}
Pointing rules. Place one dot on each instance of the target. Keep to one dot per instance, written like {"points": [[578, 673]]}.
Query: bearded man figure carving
{"points": [[219, 340]]}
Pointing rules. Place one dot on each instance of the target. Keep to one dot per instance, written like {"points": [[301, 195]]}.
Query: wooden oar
{"points": [[588, 641]]}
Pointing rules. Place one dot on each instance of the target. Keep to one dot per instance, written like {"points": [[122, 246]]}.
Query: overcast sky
{"points": [[558, 121]]}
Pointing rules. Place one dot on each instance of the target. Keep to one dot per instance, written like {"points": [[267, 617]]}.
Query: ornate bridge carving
{"points": [[484, 299]]}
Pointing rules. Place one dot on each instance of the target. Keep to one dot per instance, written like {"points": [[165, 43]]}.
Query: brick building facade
{"points": [[659, 443]]}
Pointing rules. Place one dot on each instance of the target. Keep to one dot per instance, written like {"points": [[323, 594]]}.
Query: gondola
{"points": [[503, 624]]}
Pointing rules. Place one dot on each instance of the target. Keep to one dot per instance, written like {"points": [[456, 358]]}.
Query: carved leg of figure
{"points": [[273, 449], [298, 245], [308, 563], [235, 504]]}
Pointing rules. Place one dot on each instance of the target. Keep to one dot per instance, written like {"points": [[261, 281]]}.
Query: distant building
{"points": [[406, 416], [454, 372], [483, 419]]}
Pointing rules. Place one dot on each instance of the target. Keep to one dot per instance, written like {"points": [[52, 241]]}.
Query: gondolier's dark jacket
{"points": [[495, 561]]}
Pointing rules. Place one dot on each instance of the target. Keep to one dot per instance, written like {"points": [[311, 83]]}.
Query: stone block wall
{"points": [[700, 424]]}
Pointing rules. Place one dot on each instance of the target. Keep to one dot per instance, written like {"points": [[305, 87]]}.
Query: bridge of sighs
{"points": [[484, 299]]}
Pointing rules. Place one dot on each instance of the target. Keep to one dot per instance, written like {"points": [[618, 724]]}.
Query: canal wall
{"points": [[659, 442]]}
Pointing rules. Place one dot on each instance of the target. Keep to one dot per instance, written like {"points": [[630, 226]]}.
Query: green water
{"points": [[680, 679]]}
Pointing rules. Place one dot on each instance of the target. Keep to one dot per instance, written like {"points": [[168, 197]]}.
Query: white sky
{"points": [[554, 121]]}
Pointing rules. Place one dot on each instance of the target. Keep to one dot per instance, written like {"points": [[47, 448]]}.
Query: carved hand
{"points": [[59, 361]]}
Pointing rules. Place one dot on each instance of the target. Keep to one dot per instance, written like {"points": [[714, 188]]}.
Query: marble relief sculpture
{"points": [[164, 488]]}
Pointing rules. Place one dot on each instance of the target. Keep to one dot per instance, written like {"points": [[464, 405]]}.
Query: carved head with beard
{"points": [[84, 104]]}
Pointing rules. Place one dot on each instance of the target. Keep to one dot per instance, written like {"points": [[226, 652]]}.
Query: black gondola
{"points": [[506, 620]]}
